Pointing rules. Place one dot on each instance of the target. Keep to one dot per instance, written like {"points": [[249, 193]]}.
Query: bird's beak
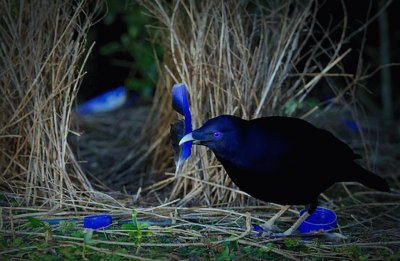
{"points": [[186, 138]]}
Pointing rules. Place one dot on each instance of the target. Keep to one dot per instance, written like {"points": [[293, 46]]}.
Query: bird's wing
{"points": [[336, 145], [302, 136]]}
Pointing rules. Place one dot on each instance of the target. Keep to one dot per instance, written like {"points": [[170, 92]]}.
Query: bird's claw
{"points": [[330, 236], [270, 234], [269, 227]]}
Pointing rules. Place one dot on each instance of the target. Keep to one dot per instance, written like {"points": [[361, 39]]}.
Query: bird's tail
{"points": [[369, 179]]}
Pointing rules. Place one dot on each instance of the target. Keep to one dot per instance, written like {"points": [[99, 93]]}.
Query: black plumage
{"points": [[281, 159], [177, 131]]}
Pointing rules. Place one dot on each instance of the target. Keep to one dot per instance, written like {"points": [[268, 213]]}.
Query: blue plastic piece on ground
{"points": [[180, 102], [321, 219], [107, 101], [97, 221], [257, 228], [352, 125]]}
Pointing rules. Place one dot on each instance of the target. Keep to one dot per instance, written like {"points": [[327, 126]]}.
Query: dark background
{"points": [[123, 53]]}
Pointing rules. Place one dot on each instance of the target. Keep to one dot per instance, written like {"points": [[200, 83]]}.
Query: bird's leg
{"points": [[303, 217], [296, 224], [269, 225]]}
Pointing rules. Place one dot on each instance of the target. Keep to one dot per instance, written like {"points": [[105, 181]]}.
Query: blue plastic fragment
{"points": [[180, 103], [257, 228], [97, 221], [106, 101], [320, 219], [352, 125]]}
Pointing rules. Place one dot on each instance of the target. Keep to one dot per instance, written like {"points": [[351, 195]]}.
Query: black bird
{"points": [[282, 160]]}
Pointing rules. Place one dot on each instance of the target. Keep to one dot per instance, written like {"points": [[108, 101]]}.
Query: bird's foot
{"points": [[337, 237], [278, 234], [271, 234], [270, 227], [330, 236], [326, 235]]}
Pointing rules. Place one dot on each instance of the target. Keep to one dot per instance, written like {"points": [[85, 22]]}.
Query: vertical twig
{"points": [[384, 51]]}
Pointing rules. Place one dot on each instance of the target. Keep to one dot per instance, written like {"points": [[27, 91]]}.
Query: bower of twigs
{"points": [[245, 58]]}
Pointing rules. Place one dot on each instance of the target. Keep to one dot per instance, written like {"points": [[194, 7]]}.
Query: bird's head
{"points": [[220, 134]]}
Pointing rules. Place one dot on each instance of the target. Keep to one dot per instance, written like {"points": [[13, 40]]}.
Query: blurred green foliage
{"points": [[134, 44]]}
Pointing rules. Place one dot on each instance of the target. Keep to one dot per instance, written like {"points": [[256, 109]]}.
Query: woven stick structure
{"points": [[41, 60], [246, 58]]}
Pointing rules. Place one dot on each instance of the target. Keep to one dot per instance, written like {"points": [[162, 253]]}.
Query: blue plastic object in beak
{"points": [[180, 102]]}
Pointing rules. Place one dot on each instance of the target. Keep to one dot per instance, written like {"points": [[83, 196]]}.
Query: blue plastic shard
{"points": [[351, 124], [257, 228], [180, 102], [97, 221], [107, 101]]}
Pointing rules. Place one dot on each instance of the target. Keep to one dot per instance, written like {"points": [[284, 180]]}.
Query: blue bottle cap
{"points": [[97, 221], [321, 219]]}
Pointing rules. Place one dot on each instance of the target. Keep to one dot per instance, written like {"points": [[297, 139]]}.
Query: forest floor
{"points": [[148, 228]]}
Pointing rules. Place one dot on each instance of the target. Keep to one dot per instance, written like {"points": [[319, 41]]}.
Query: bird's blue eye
{"points": [[217, 134]]}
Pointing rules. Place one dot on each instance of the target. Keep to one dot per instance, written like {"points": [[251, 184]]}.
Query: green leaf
{"points": [[291, 243], [41, 256], [110, 48], [18, 242], [78, 233], [110, 18], [67, 227], [87, 236], [127, 227], [34, 222], [125, 40], [133, 31]]}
